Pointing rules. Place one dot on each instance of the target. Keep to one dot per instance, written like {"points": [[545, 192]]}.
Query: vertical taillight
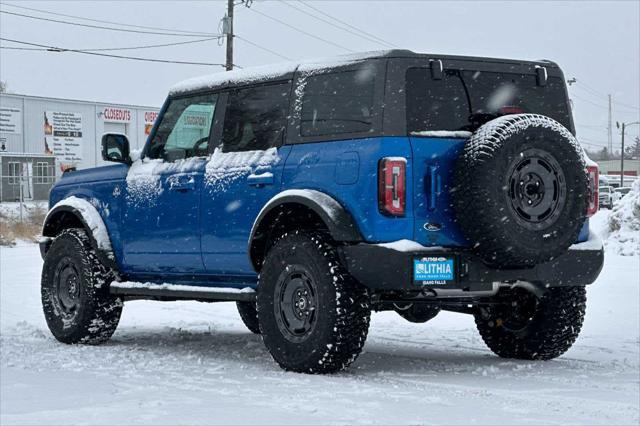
{"points": [[592, 173], [392, 172]]}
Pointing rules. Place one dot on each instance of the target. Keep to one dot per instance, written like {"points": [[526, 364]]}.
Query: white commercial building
{"points": [[66, 131]]}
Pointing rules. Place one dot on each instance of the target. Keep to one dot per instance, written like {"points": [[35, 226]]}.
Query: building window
{"points": [[42, 172], [14, 173]]}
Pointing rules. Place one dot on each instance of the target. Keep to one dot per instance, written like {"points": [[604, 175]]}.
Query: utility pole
{"points": [[623, 127], [229, 32], [622, 159], [610, 130]]}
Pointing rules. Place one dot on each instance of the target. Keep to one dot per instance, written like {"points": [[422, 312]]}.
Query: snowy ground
{"points": [[189, 362]]}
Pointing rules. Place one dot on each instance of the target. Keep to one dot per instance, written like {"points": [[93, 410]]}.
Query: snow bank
{"points": [[622, 234], [225, 167], [92, 219], [11, 210]]}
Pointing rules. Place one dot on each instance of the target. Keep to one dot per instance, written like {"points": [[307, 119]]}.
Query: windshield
{"points": [[605, 189], [464, 100]]}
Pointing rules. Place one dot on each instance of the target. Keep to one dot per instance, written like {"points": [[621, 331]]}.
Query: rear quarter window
{"points": [[338, 103], [466, 99]]}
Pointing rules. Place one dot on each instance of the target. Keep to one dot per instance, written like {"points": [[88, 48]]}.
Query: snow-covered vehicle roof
{"points": [[286, 70]]}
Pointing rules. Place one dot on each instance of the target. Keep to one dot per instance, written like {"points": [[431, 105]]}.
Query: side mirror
{"points": [[115, 147]]}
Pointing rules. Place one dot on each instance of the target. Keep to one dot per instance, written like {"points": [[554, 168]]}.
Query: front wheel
{"points": [[75, 291], [524, 326], [314, 317]]}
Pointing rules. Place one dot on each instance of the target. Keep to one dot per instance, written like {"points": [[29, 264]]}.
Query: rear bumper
{"points": [[385, 269]]}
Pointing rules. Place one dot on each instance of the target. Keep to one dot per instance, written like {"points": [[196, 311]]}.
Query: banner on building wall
{"points": [[149, 119], [116, 115], [63, 137], [10, 120]]}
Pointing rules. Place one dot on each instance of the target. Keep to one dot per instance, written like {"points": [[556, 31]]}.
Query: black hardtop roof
{"points": [[286, 70]]}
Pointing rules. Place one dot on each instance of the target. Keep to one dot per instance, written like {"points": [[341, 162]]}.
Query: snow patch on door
{"points": [[143, 179], [223, 168]]}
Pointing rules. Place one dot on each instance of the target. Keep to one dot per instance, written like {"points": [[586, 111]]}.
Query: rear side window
{"points": [[255, 117], [336, 103], [435, 104], [464, 100]]}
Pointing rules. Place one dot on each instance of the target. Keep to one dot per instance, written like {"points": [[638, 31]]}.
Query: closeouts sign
{"points": [[118, 115]]}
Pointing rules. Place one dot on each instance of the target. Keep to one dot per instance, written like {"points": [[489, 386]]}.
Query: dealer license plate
{"points": [[436, 270]]}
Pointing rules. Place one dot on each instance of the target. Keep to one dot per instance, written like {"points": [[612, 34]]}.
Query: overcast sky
{"points": [[598, 43]]}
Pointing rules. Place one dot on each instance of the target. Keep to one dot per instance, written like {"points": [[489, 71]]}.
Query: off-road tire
{"points": [[340, 305], [551, 331], [495, 212], [249, 315], [87, 313]]}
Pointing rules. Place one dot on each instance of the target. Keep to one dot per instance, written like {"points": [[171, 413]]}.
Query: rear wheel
{"points": [[524, 326], [313, 316], [75, 294]]}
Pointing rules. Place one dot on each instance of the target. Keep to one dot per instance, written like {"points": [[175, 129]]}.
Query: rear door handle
{"points": [[261, 179]]}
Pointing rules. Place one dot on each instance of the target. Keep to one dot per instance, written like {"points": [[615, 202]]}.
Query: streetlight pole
{"points": [[624, 126]]}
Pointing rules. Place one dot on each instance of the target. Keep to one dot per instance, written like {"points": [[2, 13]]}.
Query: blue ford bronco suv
{"points": [[313, 193]]}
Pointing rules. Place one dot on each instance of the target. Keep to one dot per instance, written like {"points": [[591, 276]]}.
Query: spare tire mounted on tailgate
{"points": [[521, 190]]}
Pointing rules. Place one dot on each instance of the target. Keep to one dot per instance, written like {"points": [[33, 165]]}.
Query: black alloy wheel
{"points": [[537, 189], [295, 303]]}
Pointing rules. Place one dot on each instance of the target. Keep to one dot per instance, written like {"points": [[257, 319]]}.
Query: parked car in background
{"points": [[622, 191], [605, 196]]}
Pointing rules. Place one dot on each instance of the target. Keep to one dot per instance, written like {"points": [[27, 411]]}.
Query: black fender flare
{"points": [[63, 216], [337, 219]]}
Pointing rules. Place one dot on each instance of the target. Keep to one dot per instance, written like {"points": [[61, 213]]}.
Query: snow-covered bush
{"points": [[623, 231]]}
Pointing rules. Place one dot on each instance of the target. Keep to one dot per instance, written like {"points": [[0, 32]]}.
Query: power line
{"points": [[187, 33], [300, 30], [106, 28], [602, 106], [107, 22], [266, 49], [358, 34], [598, 95], [590, 102], [134, 58], [373, 36], [106, 49], [594, 129], [599, 126]]}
